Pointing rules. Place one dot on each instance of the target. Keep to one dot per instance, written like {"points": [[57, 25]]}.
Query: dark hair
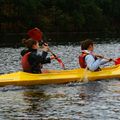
{"points": [[29, 42], [86, 43]]}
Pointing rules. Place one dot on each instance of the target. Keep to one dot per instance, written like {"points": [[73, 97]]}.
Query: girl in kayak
{"points": [[32, 61], [88, 59]]}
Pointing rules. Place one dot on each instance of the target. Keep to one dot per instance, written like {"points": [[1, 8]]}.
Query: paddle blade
{"points": [[61, 63], [35, 34], [117, 61]]}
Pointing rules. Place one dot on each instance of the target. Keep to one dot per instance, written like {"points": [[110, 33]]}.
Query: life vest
{"points": [[25, 63], [82, 60]]}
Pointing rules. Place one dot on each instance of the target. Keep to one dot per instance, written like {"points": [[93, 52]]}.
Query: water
{"points": [[99, 100]]}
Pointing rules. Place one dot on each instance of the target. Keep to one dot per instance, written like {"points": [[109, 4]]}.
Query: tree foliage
{"points": [[60, 15]]}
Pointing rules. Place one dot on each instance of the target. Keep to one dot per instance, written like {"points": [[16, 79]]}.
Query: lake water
{"points": [[99, 100]]}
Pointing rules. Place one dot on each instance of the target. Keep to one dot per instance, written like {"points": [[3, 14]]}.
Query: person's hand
{"points": [[45, 47], [44, 44], [53, 57], [111, 60]]}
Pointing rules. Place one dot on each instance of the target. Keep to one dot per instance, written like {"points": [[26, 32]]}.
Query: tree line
{"points": [[97, 16]]}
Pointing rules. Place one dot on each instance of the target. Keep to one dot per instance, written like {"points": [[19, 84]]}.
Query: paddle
{"points": [[116, 61], [36, 34]]}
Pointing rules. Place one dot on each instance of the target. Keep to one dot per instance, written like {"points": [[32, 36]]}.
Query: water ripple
{"points": [[98, 100]]}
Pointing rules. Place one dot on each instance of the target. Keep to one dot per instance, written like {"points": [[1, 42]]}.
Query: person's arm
{"points": [[46, 60], [44, 54], [43, 59], [104, 61]]}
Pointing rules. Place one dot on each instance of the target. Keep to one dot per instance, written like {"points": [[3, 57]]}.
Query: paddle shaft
{"points": [[58, 59], [49, 49], [108, 59], [116, 61], [100, 56], [53, 54]]}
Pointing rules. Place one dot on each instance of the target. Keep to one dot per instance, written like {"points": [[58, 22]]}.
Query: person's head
{"points": [[30, 43], [87, 45]]}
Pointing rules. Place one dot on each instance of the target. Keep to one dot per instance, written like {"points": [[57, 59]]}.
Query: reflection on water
{"points": [[93, 100], [98, 100]]}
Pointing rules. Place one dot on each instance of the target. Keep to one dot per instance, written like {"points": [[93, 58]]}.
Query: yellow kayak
{"points": [[59, 76]]}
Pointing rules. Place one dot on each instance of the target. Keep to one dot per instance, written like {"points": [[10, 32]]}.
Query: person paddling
{"points": [[90, 60], [32, 61]]}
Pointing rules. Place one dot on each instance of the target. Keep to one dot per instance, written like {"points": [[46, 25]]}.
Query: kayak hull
{"points": [[58, 76]]}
